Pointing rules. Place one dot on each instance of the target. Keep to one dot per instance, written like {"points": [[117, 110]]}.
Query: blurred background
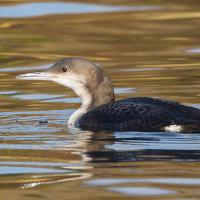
{"points": [[148, 47]]}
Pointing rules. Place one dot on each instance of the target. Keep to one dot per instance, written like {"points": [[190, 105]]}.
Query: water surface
{"points": [[47, 8], [148, 49]]}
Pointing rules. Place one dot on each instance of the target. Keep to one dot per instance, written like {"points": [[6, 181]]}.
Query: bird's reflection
{"points": [[111, 147], [136, 146]]}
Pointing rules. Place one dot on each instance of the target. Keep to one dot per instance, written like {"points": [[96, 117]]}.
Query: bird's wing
{"points": [[126, 116], [173, 106]]}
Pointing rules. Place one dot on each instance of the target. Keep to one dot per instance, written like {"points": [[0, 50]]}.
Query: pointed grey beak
{"points": [[35, 76]]}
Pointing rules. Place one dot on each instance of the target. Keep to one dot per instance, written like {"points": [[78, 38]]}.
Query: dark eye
{"points": [[64, 69]]}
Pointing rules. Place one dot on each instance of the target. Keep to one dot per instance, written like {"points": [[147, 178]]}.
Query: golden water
{"points": [[152, 49]]}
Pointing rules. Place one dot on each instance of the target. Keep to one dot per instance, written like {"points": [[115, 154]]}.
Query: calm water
{"points": [[149, 48]]}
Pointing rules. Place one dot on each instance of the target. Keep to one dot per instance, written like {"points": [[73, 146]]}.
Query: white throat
{"points": [[87, 100], [86, 97], [91, 96]]}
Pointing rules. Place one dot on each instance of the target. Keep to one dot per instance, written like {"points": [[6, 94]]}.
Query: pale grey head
{"points": [[87, 79]]}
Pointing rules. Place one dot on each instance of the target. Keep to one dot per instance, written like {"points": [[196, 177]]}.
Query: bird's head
{"points": [[79, 74]]}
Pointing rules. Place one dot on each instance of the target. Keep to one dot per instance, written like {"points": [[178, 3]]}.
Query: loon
{"points": [[100, 112]]}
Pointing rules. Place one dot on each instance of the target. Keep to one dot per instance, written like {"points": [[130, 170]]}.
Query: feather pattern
{"points": [[140, 114]]}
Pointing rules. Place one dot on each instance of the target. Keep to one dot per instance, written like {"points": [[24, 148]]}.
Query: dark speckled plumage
{"points": [[141, 114]]}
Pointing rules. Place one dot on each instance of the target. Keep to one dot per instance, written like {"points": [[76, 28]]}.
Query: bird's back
{"points": [[141, 114]]}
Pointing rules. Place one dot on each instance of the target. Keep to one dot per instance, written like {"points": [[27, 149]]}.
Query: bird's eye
{"points": [[64, 69]]}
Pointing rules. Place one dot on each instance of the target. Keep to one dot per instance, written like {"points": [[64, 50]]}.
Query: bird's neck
{"points": [[91, 99]]}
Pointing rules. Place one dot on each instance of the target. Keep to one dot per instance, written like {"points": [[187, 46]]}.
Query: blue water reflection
{"points": [[38, 9]]}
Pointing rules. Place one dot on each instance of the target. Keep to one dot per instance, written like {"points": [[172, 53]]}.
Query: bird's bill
{"points": [[35, 76]]}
